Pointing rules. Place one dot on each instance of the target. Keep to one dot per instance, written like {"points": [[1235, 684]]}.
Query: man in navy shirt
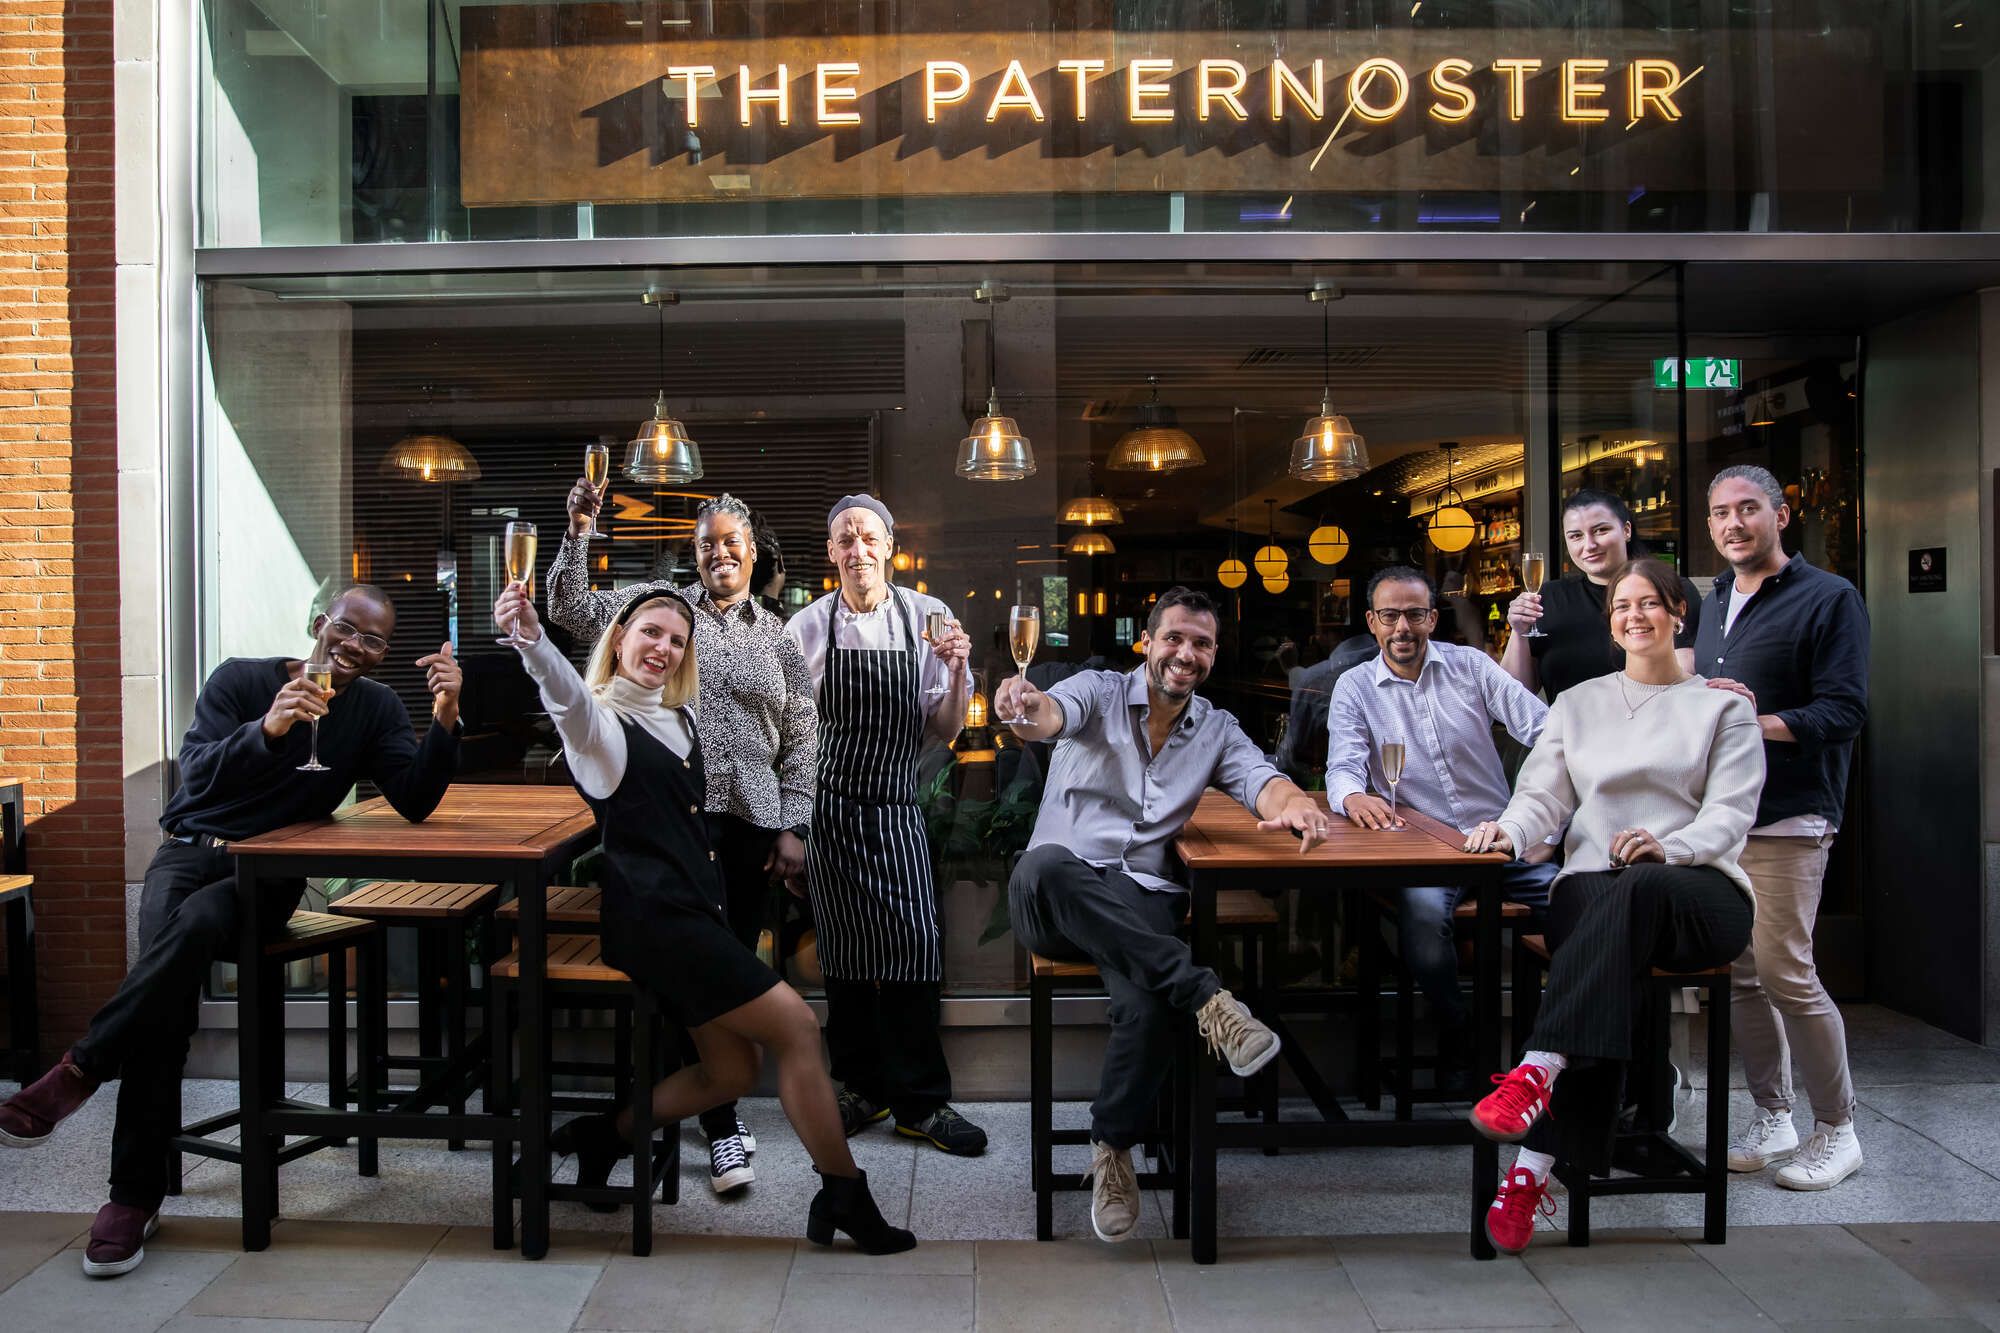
{"points": [[1792, 639], [238, 777]]}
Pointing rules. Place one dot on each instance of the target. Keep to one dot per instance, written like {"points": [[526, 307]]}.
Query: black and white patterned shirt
{"points": [[759, 726]]}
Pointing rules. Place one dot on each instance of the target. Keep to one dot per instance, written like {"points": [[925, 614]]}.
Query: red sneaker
{"points": [[1521, 1099], [1510, 1222], [32, 1114]]}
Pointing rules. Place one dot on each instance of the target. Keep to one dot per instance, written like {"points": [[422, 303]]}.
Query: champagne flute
{"points": [[520, 548], [320, 674], [1024, 631], [1534, 568], [596, 471], [935, 624], [1392, 769]]}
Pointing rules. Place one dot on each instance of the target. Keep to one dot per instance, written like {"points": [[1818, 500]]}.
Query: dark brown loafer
{"points": [[32, 1114], [118, 1239]]}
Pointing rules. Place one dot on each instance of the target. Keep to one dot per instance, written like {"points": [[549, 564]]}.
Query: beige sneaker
{"points": [[1234, 1035], [1114, 1193]]}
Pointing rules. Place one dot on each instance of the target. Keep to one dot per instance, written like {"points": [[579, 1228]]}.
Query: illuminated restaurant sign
{"points": [[585, 103]]}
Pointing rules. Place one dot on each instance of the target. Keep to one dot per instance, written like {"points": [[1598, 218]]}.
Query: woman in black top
{"points": [[1575, 643], [629, 737]]}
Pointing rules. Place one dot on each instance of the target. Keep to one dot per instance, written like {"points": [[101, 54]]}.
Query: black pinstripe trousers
{"points": [[1607, 931]]}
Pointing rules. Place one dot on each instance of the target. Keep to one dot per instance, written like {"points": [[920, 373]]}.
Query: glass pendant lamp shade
{"points": [[1451, 528], [995, 450], [427, 457], [1232, 573], [1328, 544], [1761, 412], [1276, 583], [1329, 449], [662, 451], [976, 710], [1157, 443], [1091, 543], [1092, 511]]}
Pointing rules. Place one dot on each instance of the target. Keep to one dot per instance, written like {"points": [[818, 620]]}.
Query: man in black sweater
{"points": [[1792, 639], [238, 777]]}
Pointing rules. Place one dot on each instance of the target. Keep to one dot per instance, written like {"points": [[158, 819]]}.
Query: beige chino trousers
{"points": [[1777, 1001]]}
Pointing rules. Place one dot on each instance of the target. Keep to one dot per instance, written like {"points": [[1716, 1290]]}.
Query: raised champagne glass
{"points": [[935, 624], [520, 556], [1392, 770], [596, 471], [1534, 568], [1024, 632], [320, 675]]}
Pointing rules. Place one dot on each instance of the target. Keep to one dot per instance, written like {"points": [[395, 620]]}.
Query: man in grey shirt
{"points": [[1135, 753]]}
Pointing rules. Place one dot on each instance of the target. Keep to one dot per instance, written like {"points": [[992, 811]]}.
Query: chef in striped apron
{"points": [[882, 690]]}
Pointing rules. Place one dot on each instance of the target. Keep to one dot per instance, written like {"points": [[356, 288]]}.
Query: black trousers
{"points": [[1067, 909], [187, 920], [882, 1040], [1607, 931], [741, 849]]}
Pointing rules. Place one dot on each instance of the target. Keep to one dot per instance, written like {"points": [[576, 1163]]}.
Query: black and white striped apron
{"points": [[868, 863]]}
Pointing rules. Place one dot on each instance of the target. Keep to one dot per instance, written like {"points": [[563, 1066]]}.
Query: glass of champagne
{"points": [[1024, 632], [1534, 568], [320, 674], [935, 625], [520, 549], [596, 471], [1392, 769]]}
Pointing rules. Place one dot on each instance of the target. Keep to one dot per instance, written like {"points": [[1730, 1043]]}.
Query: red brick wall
{"points": [[59, 651]]}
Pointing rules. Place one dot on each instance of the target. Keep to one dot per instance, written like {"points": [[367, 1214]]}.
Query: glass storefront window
{"points": [[451, 120]]}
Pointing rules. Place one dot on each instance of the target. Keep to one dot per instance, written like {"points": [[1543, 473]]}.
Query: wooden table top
{"points": [[1224, 836], [498, 821]]}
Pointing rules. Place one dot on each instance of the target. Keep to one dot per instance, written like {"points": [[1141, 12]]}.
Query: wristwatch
{"points": [[800, 831]]}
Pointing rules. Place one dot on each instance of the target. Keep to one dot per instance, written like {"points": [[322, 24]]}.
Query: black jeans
{"points": [[882, 1042], [187, 920], [741, 849], [1607, 931], [1065, 908]]}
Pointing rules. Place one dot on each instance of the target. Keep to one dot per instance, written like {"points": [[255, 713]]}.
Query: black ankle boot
{"points": [[844, 1204], [597, 1145]]}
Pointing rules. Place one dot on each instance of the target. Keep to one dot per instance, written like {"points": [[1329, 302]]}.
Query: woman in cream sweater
{"points": [[1656, 776]]}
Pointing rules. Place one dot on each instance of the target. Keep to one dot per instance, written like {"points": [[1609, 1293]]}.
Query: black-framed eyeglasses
{"points": [[367, 643], [1393, 616]]}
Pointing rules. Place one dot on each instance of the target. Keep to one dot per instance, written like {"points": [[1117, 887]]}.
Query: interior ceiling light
{"points": [[1157, 443], [425, 455], [1270, 562], [1277, 583], [1328, 449], [1328, 543], [1762, 411], [1092, 510], [1091, 543], [1450, 525], [662, 453], [995, 450]]}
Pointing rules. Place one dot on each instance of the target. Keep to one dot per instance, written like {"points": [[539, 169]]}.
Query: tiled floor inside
{"points": [[1356, 1239]]}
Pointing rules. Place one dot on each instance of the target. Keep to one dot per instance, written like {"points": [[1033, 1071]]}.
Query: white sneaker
{"points": [[749, 1139], [1114, 1193], [728, 1165], [1234, 1035], [1767, 1139], [1831, 1155]]}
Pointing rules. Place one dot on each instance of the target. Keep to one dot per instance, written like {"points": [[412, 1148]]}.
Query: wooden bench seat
{"points": [[309, 934], [571, 958], [15, 886], [565, 905], [416, 900]]}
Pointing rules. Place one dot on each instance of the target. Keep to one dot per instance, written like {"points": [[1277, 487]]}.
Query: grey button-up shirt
{"points": [[1114, 803], [759, 725], [1445, 720]]}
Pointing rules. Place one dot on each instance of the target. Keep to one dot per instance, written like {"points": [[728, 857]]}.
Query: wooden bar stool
{"points": [[1657, 1161], [441, 915], [1240, 912], [23, 1056], [573, 908], [1399, 1071], [306, 935], [578, 976]]}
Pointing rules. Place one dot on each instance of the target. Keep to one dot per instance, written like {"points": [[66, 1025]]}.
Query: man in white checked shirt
{"points": [[1442, 701]]}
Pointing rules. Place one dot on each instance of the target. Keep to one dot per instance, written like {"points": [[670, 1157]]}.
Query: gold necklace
{"points": [[1652, 692]]}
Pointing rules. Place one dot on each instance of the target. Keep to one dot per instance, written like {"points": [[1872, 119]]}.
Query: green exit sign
{"points": [[1703, 372]]}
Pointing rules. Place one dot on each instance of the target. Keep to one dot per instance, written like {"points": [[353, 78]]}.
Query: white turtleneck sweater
{"points": [[1686, 765], [593, 741]]}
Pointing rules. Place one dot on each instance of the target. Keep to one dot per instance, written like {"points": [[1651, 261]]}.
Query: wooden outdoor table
{"points": [[518, 837], [1223, 848]]}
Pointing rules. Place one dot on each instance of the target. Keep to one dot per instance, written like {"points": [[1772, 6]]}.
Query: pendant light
{"points": [[1232, 573], [1277, 583], [424, 455], [1450, 525], [1270, 562], [1090, 509], [995, 450], [662, 453], [1328, 449], [1328, 543], [1157, 443], [1762, 412], [1091, 542]]}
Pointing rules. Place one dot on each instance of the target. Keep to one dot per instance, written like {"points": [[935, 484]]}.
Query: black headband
{"points": [[651, 595]]}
